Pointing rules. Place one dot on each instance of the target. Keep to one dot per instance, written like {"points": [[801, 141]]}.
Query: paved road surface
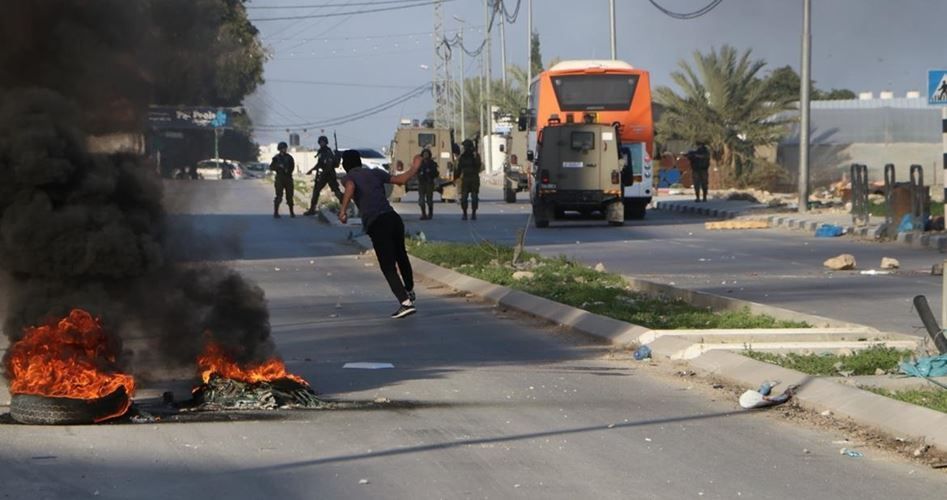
{"points": [[500, 408], [777, 267]]}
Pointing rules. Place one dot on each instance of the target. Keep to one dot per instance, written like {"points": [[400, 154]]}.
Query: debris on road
{"points": [[365, 365], [851, 453], [925, 367], [363, 481], [600, 267], [829, 231], [843, 262], [737, 224], [937, 269], [890, 263], [761, 398], [874, 272], [642, 353]]}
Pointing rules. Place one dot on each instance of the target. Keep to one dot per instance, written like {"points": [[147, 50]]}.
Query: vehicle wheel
{"points": [[44, 410], [509, 195], [635, 210], [615, 213], [542, 212]]}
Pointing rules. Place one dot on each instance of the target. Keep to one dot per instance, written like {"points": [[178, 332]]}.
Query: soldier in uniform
{"points": [[326, 162], [469, 167], [283, 165], [427, 177]]}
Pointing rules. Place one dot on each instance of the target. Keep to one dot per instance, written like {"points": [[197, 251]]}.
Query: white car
{"points": [[371, 158], [219, 169]]}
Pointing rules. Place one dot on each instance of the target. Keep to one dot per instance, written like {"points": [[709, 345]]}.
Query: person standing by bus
{"points": [[283, 166], [427, 177], [699, 159], [469, 167]]}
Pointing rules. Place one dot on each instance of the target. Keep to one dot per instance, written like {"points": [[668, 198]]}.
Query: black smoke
{"points": [[85, 229]]}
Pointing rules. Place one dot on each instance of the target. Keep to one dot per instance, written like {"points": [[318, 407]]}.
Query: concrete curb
{"points": [[871, 232], [886, 415], [868, 409]]}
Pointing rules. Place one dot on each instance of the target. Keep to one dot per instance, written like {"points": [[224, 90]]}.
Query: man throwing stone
{"points": [[385, 227]]}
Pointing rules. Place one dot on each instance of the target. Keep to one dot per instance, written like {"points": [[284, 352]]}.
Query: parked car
{"points": [[371, 158], [219, 169], [255, 169]]}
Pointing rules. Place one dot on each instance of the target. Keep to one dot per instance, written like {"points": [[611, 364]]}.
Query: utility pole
{"points": [[488, 142], [463, 83], [441, 74], [502, 42], [529, 49], [804, 107], [611, 18]]}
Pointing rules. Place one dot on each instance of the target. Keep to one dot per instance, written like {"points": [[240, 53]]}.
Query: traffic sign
{"points": [[937, 87]]}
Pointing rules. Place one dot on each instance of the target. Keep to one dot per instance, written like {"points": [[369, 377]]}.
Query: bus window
{"points": [[426, 140], [595, 92]]}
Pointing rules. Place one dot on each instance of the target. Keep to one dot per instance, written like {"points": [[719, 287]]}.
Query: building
{"points": [[872, 131]]}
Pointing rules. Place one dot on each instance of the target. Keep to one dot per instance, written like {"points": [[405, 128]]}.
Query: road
{"points": [[776, 267], [484, 405]]}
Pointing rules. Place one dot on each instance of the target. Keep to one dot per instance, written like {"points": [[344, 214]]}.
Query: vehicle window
{"points": [[583, 140], [426, 140], [595, 92], [634, 158], [370, 153]]}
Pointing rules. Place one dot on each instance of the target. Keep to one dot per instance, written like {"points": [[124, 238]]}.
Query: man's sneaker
{"points": [[404, 311], [412, 296]]}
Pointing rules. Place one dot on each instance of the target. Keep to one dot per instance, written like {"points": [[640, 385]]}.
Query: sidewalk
{"points": [[809, 222]]}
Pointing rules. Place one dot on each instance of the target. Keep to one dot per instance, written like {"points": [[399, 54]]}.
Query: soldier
{"points": [[325, 174], [469, 167], [427, 177], [699, 159], [283, 165]]}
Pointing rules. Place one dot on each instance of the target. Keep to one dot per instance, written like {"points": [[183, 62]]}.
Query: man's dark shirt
{"points": [[370, 197]]}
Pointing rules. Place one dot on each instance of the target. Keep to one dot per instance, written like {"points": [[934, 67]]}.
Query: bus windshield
{"points": [[595, 92]]}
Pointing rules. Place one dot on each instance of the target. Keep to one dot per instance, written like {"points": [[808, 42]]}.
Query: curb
{"points": [[887, 415], [884, 414]]}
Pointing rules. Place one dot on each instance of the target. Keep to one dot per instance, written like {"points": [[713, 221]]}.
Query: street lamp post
{"points": [[611, 17]]}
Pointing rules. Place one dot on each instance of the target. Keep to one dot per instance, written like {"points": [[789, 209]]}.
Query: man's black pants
{"points": [[387, 234]]}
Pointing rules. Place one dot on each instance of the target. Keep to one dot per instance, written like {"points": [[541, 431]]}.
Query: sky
{"points": [[355, 62]]}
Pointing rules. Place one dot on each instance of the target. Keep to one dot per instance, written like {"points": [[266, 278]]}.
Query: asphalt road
{"points": [[483, 406], [777, 267]]}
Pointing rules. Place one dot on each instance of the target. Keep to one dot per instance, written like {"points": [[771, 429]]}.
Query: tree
{"points": [[535, 55], [786, 83], [510, 99], [724, 103]]}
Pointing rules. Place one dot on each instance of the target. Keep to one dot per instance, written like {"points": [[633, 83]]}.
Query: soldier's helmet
{"points": [[468, 145], [426, 153], [323, 140], [281, 146]]}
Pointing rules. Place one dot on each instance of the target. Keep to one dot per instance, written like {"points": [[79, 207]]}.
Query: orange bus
{"points": [[609, 92]]}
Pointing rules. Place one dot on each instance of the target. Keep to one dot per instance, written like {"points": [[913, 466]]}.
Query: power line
{"points": [[475, 27], [365, 113], [687, 15], [340, 84], [349, 13], [325, 5]]}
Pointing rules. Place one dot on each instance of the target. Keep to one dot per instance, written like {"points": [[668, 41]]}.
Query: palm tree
{"points": [[724, 103], [510, 99]]}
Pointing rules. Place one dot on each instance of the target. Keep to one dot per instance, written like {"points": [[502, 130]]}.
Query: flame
{"points": [[67, 358], [215, 361]]}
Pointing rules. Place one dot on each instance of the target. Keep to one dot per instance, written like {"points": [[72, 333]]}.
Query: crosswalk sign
{"points": [[937, 87]]}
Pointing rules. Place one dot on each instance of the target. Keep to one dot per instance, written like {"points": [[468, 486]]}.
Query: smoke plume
{"points": [[83, 229]]}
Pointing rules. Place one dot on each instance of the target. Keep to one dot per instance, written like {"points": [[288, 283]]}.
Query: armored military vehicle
{"points": [[409, 140]]}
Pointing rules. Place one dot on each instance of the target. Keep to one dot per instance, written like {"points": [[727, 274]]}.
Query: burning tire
{"points": [[44, 410]]}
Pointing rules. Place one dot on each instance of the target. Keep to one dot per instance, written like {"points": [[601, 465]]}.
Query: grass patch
{"points": [[934, 398], [863, 362], [878, 209], [569, 282]]}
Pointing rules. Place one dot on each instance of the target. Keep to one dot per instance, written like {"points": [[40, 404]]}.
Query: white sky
{"points": [[864, 45]]}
